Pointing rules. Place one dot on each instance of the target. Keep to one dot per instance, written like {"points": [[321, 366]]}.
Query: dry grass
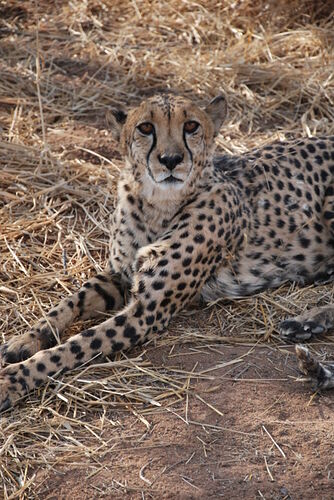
{"points": [[63, 64]]}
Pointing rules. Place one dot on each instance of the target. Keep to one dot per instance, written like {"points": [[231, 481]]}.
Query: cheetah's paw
{"points": [[19, 348], [296, 330], [12, 387]]}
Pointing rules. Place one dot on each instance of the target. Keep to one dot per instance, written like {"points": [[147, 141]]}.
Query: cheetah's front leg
{"points": [[98, 295], [169, 273]]}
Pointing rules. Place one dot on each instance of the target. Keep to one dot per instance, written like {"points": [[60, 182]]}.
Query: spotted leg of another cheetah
{"points": [[321, 374], [98, 295], [313, 322]]}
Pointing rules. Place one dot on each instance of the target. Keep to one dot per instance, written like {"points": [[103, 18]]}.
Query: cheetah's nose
{"points": [[170, 161]]}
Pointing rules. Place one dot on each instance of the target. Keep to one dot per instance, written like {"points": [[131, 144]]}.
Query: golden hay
{"points": [[63, 64]]}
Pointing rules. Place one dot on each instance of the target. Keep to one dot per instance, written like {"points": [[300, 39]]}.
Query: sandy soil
{"points": [[248, 431]]}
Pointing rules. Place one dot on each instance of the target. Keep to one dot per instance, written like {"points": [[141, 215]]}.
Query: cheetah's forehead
{"points": [[168, 107]]}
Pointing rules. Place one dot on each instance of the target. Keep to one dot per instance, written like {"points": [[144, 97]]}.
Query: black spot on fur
{"points": [[75, 347], [55, 358], [108, 299], [101, 277], [139, 311], [88, 333], [117, 346], [158, 285], [25, 370], [120, 320], [130, 332], [81, 295], [110, 333], [95, 344]]}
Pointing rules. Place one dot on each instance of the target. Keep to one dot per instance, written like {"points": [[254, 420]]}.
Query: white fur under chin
{"points": [[165, 193]]}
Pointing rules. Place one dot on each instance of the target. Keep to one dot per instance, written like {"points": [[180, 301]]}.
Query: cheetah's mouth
{"points": [[171, 180]]}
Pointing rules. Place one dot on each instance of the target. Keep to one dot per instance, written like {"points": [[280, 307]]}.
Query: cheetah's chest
{"points": [[136, 224]]}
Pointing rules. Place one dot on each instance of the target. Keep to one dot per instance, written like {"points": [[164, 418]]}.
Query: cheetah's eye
{"points": [[146, 128], [191, 127]]}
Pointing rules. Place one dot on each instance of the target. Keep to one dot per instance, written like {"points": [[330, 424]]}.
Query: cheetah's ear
{"points": [[217, 110], [116, 119]]}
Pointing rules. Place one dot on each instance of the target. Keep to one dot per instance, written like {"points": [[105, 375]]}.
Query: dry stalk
{"points": [[62, 68]]}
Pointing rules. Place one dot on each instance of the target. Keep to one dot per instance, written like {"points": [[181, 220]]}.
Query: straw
{"points": [[63, 66]]}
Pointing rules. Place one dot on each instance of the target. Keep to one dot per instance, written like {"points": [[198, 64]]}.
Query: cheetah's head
{"points": [[167, 140]]}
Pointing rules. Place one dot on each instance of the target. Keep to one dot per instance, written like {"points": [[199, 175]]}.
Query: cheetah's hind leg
{"points": [[320, 374], [314, 322]]}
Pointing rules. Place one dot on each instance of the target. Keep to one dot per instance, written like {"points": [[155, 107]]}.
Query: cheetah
{"points": [[189, 224]]}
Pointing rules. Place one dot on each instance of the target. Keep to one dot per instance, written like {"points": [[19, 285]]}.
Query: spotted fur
{"points": [[187, 224]]}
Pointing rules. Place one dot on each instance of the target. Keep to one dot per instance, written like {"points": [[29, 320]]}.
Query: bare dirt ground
{"points": [[214, 407], [245, 432]]}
